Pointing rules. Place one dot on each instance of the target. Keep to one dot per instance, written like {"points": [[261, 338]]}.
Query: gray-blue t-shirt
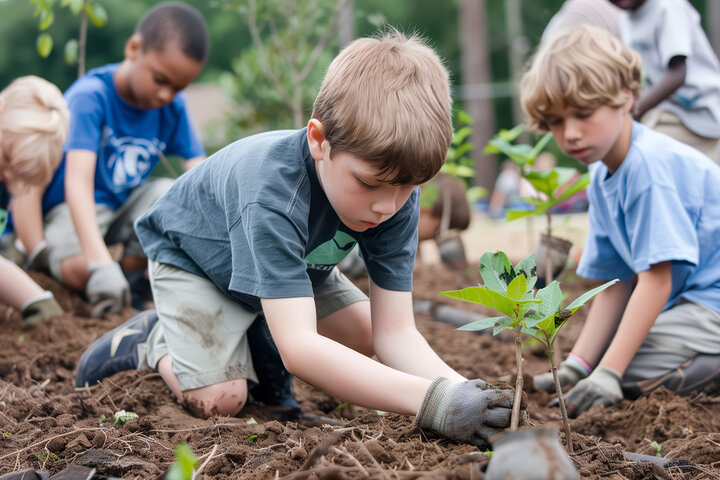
{"points": [[254, 220]]}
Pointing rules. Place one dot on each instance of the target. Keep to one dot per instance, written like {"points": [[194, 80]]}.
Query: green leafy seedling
{"points": [[184, 465], [509, 290], [537, 314], [656, 448], [252, 437], [122, 417], [557, 184]]}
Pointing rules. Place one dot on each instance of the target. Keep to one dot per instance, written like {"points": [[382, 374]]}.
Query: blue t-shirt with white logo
{"points": [[126, 138], [254, 219], [662, 204]]}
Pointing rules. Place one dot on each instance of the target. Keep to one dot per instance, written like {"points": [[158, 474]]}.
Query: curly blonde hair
{"points": [[582, 67], [33, 128]]}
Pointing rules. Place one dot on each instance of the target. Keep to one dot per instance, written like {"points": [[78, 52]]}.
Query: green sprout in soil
{"points": [[537, 314], [119, 419], [184, 465], [656, 448], [45, 456]]}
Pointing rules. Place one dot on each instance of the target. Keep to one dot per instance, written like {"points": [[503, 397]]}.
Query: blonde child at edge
{"points": [[33, 128], [654, 223], [258, 229]]}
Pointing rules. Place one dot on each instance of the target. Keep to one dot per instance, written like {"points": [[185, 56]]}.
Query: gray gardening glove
{"points": [[107, 289], [602, 387], [468, 411], [39, 259], [570, 372], [39, 308]]}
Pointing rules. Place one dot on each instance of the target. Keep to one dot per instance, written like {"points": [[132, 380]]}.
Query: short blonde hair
{"points": [[387, 100], [583, 67], [33, 128]]}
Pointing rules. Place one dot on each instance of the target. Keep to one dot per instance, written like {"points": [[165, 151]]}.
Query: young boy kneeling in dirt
{"points": [[33, 128], [254, 233], [654, 224], [125, 117]]}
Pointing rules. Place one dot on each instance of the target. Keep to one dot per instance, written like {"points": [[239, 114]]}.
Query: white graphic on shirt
{"points": [[127, 160]]}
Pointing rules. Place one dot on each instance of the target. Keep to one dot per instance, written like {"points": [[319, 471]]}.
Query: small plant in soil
{"points": [[510, 290], [555, 185], [184, 465]]}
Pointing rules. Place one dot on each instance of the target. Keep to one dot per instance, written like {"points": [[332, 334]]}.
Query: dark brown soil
{"points": [[46, 424]]}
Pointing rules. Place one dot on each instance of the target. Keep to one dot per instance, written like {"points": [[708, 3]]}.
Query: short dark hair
{"points": [[178, 22]]}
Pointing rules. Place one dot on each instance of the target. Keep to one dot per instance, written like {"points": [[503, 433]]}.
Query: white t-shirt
{"points": [[662, 29]]}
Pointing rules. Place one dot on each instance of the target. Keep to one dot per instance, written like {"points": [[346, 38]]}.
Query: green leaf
{"points": [[496, 271], [512, 134], [564, 176], [537, 201], [484, 296], [541, 144], [580, 301], [464, 119], [122, 417], [527, 266], [551, 297], [463, 149], [184, 465], [460, 135], [502, 325], [543, 181], [47, 17], [579, 184], [44, 44], [71, 51], [517, 288], [75, 6], [96, 13], [482, 324], [511, 215]]}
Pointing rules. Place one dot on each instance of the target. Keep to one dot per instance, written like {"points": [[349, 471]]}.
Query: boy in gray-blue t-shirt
{"points": [[243, 250]]}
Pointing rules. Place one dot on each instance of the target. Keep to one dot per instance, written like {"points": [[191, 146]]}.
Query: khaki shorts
{"points": [[116, 226], [678, 334], [204, 331]]}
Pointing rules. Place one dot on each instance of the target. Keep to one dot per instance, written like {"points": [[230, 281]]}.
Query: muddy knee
{"points": [[223, 399]]}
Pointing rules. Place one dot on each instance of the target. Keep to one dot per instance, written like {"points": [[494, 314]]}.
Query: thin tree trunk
{"points": [[548, 251], [346, 23], [517, 400], [476, 71], [561, 400], [514, 29]]}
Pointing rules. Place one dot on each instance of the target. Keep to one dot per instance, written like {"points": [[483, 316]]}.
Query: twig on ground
{"points": [[204, 464], [108, 396], [344, 451], [321, 450], [374, 461]]}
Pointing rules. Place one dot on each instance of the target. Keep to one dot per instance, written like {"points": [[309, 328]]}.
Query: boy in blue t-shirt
{"points": [[243, 251], [654, 223], [124, 117]]}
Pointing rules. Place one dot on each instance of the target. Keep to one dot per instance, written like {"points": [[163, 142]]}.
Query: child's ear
{"points": [[316, 138], [133, 46]]}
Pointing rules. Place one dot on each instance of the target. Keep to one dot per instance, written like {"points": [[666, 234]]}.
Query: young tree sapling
{"points": [[511, 291]]}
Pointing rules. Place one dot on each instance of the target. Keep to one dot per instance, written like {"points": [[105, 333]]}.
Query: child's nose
{"points": [[572, 130], [386, 203]]}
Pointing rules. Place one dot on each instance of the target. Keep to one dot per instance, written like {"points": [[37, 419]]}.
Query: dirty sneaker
{"points": [[275, 387], [116, 350]]}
